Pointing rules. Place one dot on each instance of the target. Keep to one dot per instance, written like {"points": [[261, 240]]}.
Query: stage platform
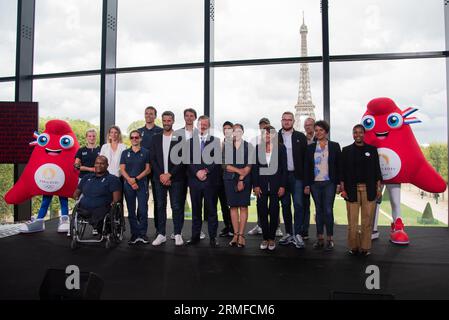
{"points": [[417, 271]]}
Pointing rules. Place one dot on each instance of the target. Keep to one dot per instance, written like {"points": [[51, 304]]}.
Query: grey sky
{"points": [[160, 32]]}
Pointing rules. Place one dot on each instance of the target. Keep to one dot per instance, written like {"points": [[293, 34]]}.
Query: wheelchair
{"points": [[111, 232]]}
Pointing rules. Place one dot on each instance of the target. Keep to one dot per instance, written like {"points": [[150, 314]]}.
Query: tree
{"points": [[436, 154]]}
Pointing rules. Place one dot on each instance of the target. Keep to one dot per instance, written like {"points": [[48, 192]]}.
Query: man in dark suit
{"points": [[296, 144], [360, 186], [203, 177], [168, 176]]}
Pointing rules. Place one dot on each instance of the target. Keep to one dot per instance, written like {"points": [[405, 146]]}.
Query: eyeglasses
{"points": [[135, 138]]}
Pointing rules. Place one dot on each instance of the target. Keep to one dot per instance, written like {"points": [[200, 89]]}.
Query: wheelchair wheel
{"points": [[117, 223], [73, 243]]}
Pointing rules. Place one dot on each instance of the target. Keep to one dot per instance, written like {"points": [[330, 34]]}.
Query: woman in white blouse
{"points": [[113, 150]]}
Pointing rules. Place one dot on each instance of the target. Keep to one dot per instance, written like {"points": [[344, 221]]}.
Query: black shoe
{"points": [[213, 243], [305, 237], [329, 245], [319, 244], [365, 253], [143, 239], [193, 241], [224, 232], [353, 252], [133, 240]]}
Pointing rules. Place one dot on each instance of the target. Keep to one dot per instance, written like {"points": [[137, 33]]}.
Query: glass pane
{"points": [[7, 91], [152, 32], [246, 94], [410, 83], [377, 26], [67, 35], [8, 27], [265, 28], [165, 90]]}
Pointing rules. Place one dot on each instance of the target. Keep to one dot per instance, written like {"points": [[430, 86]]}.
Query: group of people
{"points": [[280, 167]]}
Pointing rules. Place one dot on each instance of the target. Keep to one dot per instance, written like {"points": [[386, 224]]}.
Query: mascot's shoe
{"points": [[35, 225], [64, 224], [398, 235]]}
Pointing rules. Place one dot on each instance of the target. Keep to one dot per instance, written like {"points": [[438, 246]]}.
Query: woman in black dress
{"points": [[237, 181]]}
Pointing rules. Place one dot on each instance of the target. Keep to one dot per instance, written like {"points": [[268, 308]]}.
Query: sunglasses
{"points": [[135, 138]]}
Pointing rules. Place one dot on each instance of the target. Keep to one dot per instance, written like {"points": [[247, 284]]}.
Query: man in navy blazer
{"points": [[168, 177], [203, 177]]}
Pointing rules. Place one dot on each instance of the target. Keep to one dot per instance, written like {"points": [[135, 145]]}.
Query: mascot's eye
{"points": [[394, 120], [66, 142], [368, 122], [43, 139]]}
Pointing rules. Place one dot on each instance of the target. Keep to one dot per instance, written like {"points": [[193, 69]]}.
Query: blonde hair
{"points": [[91, 130]]}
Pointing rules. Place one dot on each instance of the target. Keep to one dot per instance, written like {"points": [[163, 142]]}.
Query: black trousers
{"points": [[225, 208], [209, 196], [268, 207]]}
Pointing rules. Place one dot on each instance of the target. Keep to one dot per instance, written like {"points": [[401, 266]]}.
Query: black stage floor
{"points": [[419, 271]]}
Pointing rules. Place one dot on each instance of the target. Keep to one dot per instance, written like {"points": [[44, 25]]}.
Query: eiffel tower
{"points": [[304, 107]]}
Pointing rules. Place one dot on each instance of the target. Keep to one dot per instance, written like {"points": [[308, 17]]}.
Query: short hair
{"points": [[152, 108], [135, 131], [169, 114], [289, 113], [228, 123], [191, 110], [322, 124], [239, 125], [119, 133], [104, 158], [309, 119], [93, 130], [358, 126]]}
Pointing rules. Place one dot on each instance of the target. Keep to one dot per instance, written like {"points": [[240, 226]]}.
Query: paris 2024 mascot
{"points": [[401, 159], [49, 172]]}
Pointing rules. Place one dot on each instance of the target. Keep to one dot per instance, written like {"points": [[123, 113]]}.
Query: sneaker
{"points": [[133, 240], [143, 239], [263, 245], [202, 235], [178, 240], [375, 235], [64, 224], [286, 240], [398, 234], [94, 232], [365, 253], [299, 243], [256, 230], [279, 232], [305, 237], [271, 245], [34, 225], [172, 236], [329, 245], [353, 252], [160, 239]]}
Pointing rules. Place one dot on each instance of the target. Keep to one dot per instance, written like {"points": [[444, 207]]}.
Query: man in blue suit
{"points": [[203, 178]]}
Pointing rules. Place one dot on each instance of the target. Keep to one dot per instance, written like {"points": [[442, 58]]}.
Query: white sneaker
{"points": [[263, 245], [375, 235], [34, 225], [64, 224], [160, 239], [286, 240], [255, 230], [178, 240], [272, 246], [172, 236], [279, 232], [202, 235], [299, 243]]}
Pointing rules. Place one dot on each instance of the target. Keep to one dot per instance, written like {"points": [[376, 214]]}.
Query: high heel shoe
{"points": [[241, 244], [234, 240]]}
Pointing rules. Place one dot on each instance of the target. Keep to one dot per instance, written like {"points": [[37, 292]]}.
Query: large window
{"points": [[8, 21], [7, 91], [68, 35]]}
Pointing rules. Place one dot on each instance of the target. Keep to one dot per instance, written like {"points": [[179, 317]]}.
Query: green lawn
{"points": [[409, 216]]}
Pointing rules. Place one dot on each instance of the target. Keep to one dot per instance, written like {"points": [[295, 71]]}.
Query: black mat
{"points": [[418, 271]]}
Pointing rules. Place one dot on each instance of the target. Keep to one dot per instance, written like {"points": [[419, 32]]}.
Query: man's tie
{"points": [[203, 144]]}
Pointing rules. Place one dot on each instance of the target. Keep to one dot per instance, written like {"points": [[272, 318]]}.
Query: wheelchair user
{"points": [[100, 190]]}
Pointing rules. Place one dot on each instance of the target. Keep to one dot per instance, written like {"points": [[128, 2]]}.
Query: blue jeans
{"points": [[295, 189], [46, 200], [176, 192], [139, 225], [323, 193]]}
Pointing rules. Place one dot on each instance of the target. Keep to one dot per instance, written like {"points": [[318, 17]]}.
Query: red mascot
{"points": [[49, 172], [401, 159]]}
